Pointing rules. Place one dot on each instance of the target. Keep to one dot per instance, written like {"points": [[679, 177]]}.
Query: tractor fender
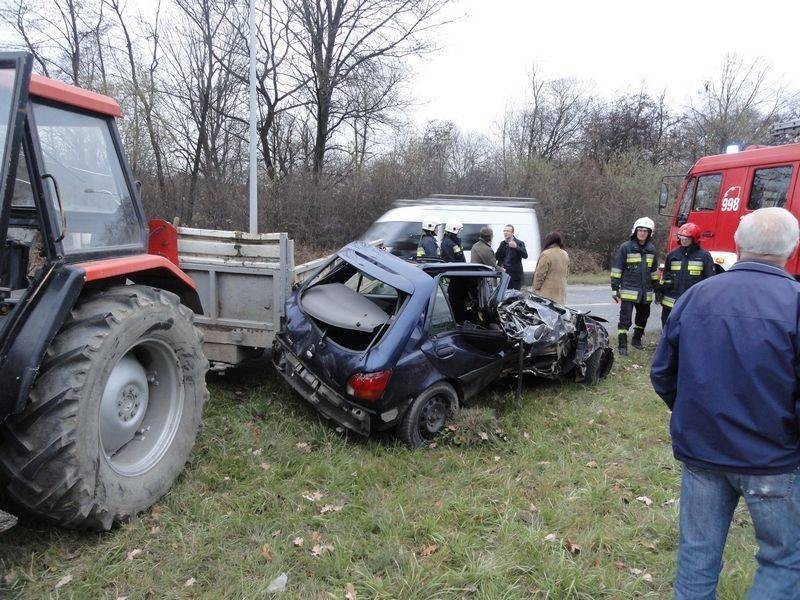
{"points": [[33, 332], [146, 269]]}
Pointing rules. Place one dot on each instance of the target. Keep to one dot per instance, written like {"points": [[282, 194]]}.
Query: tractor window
{"points": [[769, 187], [79, 153], [6, 93], [707, 192], [23, 193]]}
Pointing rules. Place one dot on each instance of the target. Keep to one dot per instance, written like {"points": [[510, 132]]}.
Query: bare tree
{"points": [[337, 38]]}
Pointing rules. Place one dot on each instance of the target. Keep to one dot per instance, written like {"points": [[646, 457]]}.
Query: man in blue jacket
{"points": [[727, 365]]}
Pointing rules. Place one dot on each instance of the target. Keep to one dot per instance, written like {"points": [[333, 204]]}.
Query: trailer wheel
{"points": [[114, 413], [428, 415]]}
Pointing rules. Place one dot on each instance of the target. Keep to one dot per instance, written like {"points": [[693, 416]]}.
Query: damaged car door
{"points": [[463, 341]]}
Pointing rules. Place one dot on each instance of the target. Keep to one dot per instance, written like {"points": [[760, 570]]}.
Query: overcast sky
{"points": [[617, 45]]}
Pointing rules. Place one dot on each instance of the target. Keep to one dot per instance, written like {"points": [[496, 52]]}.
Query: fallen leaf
{"points": [[496, 459], [122, 598], [313, 496], [526, 435], [266, 553], [319, 549], [649, 545], [266, 466], [533, 508], [647, 577], [298, 542], [133, 554], [257, 452], [438, 504], [63, 581], [544, 462], [350, 592], [634, 571], [591, 464], [645, 500], [331, 508], [741, 522], [551, 537], [483, 435], [669, 502], [303, 447], [276, 533], [315, 538], [590, 422], [597, 562], [572, 547], [155, 530], [428, 550], [190, 582], [621, 566]]}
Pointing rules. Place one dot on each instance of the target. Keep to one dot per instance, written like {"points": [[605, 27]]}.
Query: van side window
{"points": [[686, 202], [770, 187], [707, 192]]}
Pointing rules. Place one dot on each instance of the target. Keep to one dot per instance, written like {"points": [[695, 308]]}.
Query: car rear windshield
{"points": [[352, 308]]}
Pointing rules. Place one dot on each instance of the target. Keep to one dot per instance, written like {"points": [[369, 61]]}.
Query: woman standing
{"points": [[550, 278]]}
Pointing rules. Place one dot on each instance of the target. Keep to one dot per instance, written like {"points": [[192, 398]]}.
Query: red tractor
{"points": [[102, 369]]}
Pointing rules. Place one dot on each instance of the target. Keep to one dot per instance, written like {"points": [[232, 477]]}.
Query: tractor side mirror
{"points": [[663, 196], [138, 185]]}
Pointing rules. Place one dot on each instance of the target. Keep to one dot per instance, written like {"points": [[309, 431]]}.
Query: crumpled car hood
{"points": [[556, 339]]}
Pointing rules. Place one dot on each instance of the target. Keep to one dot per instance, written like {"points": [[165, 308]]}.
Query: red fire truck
{"points": [[719, 190]]}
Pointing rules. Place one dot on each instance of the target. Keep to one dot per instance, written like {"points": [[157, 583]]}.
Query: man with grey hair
{"points": [[727, 366], [481, 252]]}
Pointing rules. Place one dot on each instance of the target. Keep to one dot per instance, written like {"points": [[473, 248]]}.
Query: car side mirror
{"points": [[663, 196]]}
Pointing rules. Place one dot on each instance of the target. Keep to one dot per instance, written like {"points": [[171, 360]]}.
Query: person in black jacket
{"points": [[634, 277], [428, 248], [451, 244], [509, 257], [686, 265]]}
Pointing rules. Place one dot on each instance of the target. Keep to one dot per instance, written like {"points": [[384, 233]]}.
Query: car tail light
{"points": [[368, 386]]}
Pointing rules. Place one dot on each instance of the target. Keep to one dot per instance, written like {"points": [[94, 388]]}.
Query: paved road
{"points": [[597, 299]]}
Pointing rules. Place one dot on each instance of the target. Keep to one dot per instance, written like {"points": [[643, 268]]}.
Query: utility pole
{"points": [[253, 187]]}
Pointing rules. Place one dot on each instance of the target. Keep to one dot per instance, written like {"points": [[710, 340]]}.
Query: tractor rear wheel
{"points": [[114, 413]]}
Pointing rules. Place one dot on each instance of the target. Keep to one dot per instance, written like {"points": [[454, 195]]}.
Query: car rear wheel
{"points": [[428, 415]]}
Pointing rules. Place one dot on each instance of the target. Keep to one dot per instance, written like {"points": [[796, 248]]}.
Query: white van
{"points": [[400, 228]]}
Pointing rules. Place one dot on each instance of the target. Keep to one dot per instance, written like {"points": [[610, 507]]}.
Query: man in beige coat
{"points": [[550, 278], [481, 251]]}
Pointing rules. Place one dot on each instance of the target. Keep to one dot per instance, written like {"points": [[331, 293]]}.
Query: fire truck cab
{"points": [[719, 190]]}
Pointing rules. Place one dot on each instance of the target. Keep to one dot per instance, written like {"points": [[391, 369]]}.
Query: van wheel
{"points": [[428, 415]]}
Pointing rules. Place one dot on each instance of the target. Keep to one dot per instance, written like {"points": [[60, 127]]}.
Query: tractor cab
{"points": [[102, 374]]}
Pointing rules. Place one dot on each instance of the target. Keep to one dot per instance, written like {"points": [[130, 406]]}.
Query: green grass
{"points": [[592, 278], [468, 518]]}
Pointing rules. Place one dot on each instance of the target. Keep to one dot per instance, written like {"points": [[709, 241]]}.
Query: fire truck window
{"points": [[686, 202], [707, 192], [769, 187]]}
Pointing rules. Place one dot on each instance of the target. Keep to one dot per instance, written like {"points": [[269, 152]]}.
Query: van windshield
{"points": [[401, 238]]}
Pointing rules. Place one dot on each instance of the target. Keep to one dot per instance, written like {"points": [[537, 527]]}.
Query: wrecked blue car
{"points": [[376, 342]]}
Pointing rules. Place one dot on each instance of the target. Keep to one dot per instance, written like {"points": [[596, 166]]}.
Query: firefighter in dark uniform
{"points": [[451, 244], [428, 248], [683, 267], [634, 278]]}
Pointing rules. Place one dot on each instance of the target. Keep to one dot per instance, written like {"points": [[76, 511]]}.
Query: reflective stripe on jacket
{"points": [[683, 268], [634, 272]]}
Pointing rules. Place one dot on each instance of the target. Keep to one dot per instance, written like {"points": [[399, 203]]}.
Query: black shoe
{"points": [[636, 342], [623, 344]]}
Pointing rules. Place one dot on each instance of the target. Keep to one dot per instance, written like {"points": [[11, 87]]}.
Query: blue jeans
{"points": [[708, 499]]}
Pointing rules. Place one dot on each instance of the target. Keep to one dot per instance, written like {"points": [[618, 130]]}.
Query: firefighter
{"points": [[634, 277], [683, 267], [428, 247], [451, 244]]}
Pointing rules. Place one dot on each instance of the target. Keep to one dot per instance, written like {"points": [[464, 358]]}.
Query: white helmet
{"points": [[645, 222], [453, 227], [430, 223]]}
